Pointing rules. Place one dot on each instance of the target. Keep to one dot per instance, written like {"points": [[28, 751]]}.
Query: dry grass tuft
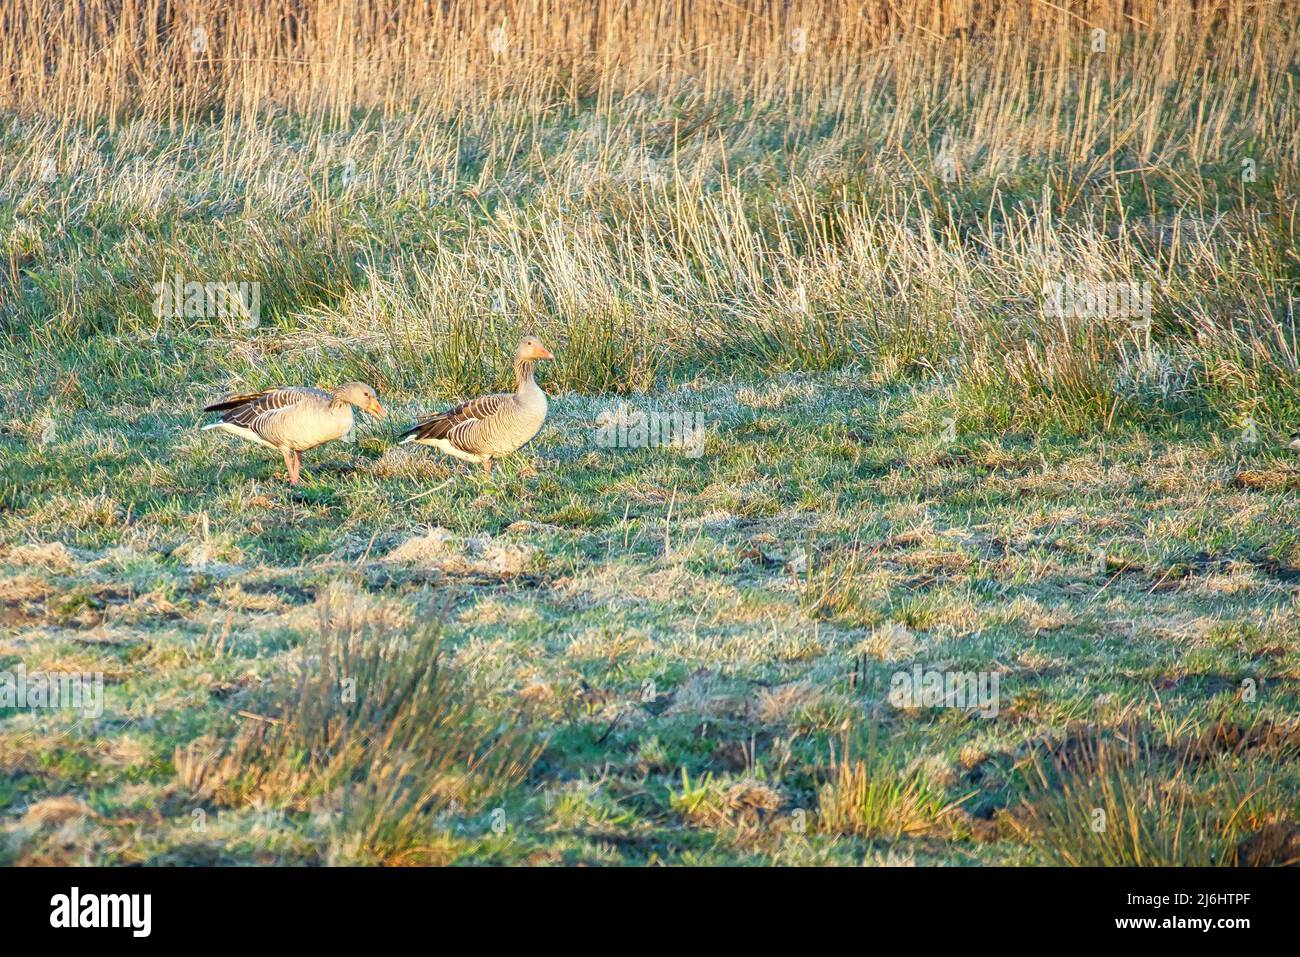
{"points": [[871, 797], [378, 738], [1112, 800], [744, 804]]}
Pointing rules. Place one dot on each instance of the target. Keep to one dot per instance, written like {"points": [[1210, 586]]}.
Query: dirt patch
{"points": [[24, 588], [1276, 569], [737, 756], [1267, 480], [1229, 738], [1206, 683], [1075, 749], [54, 811], [22, 599], [1204, 564], [985, 826], [705, 694], [745, 804], [51, 555], [440, 548], [1274, 845]]}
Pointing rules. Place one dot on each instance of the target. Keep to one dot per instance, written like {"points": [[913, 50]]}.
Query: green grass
{"points": [[659, 623]]}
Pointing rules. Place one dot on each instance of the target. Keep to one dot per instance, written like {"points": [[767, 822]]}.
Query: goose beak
{"points": [[543, 353], [377, 410]]}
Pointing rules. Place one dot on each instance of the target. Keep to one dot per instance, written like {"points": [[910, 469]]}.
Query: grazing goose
{"points": [[490, 426], [293, 419]]}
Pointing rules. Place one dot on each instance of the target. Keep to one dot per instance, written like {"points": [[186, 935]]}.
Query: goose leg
{"points": [[487, 467], [288, 464], [297, 466]]}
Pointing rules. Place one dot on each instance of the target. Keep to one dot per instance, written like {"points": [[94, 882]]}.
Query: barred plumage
{"points": [[490, 426], [293, 419]]}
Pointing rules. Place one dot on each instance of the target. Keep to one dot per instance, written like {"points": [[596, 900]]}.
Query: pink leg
{"points": [[288, 464], [487, 466]]}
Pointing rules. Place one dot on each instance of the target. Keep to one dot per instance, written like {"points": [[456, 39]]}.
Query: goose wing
{"points": [[271, 413], [455, 424]]}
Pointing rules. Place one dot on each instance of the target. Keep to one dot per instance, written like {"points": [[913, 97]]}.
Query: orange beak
{"points": [[377, 410], [543, 353]]}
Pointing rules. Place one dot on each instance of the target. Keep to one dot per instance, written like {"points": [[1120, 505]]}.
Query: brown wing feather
{"points": [[235, 401], [258, 412], [440, 426]]}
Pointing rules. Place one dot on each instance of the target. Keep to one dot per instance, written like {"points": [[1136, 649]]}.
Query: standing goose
{"points": [[293, 419], [490, 426]]}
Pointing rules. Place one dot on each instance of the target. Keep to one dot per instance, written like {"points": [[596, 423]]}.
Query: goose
{"points": [[490, 426], [292, 419]]}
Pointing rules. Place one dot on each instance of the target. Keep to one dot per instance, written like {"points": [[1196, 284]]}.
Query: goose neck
{"points": [[524, 375]]}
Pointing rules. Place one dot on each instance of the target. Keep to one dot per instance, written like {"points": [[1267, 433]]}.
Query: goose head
{"points": [[531, 349], [362, 396]]}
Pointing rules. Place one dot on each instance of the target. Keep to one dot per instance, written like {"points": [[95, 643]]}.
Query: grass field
{"points": [[831, 233]]}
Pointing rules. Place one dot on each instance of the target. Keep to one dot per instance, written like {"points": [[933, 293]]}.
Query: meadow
{"points": [[988, 312]]}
